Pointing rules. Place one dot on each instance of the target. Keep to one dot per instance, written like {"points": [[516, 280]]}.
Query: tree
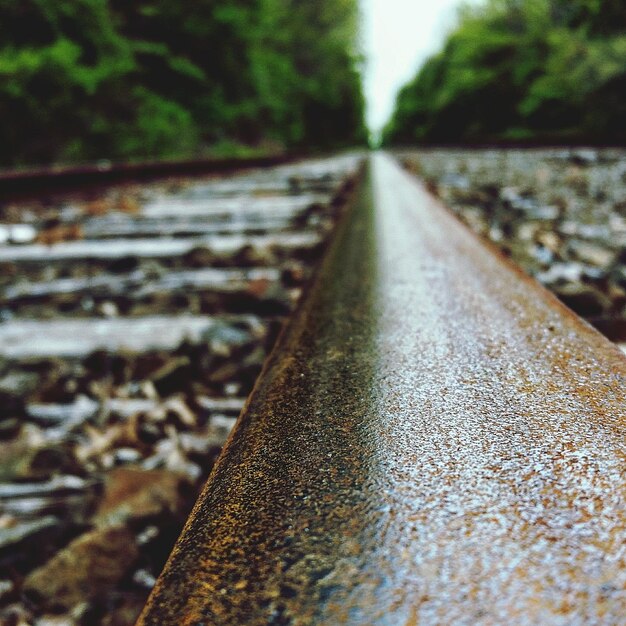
{"points": [[540, 70], [88, 79]]}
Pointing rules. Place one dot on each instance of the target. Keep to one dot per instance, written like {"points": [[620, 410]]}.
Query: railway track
{"points": [[435, 438], [135, 320]]}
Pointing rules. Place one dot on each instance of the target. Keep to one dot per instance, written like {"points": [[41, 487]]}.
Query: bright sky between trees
{"points": [[398, 36]]}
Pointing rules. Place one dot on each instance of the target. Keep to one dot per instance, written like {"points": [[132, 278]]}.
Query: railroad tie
{"points": [[434, 440]]}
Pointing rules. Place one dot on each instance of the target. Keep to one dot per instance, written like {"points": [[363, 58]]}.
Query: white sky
{"points": [[398, 36]]}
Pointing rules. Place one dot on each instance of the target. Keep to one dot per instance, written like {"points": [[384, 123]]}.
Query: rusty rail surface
{"points": [[32, 182], [435, 440]]}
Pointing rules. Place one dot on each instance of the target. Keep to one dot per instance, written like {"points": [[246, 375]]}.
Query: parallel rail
{"points": [[436, 439], [33, 182]]}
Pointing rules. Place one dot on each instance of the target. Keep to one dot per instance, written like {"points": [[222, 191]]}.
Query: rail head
{"points": [[31, 183], [435, 439]]}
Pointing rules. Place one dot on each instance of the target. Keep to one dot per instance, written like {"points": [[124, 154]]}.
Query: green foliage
{"points": [[89, 79], [529, 70]]}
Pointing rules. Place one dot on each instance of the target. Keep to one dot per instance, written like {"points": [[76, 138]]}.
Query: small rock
{"points": [[144, 578], [18, 454], [561, 273], [590, 253], [223, 425], [97, 207], [58, 485], [182, 413], [86, 569], [132, 494], [617, 222], [147, 535], [65, 416], [200, 257], [128, 204], [57, 233], [593, 231], [169, 454], [222, 337], [549, 240], [527, 231], [255, 256], [232, 389], [542, 255], [124, 456], [546, 213], [224, 373], [456, 181], [11, 536], [22, 233], [108, 309], [19, 383], [67, 507]]}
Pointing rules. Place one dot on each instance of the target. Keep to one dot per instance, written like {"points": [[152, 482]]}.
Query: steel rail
{"points": [[32, 182], [435, 440]]}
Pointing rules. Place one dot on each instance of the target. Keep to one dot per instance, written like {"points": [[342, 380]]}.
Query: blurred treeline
{"points": [[92, 79], [544, 71]]}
